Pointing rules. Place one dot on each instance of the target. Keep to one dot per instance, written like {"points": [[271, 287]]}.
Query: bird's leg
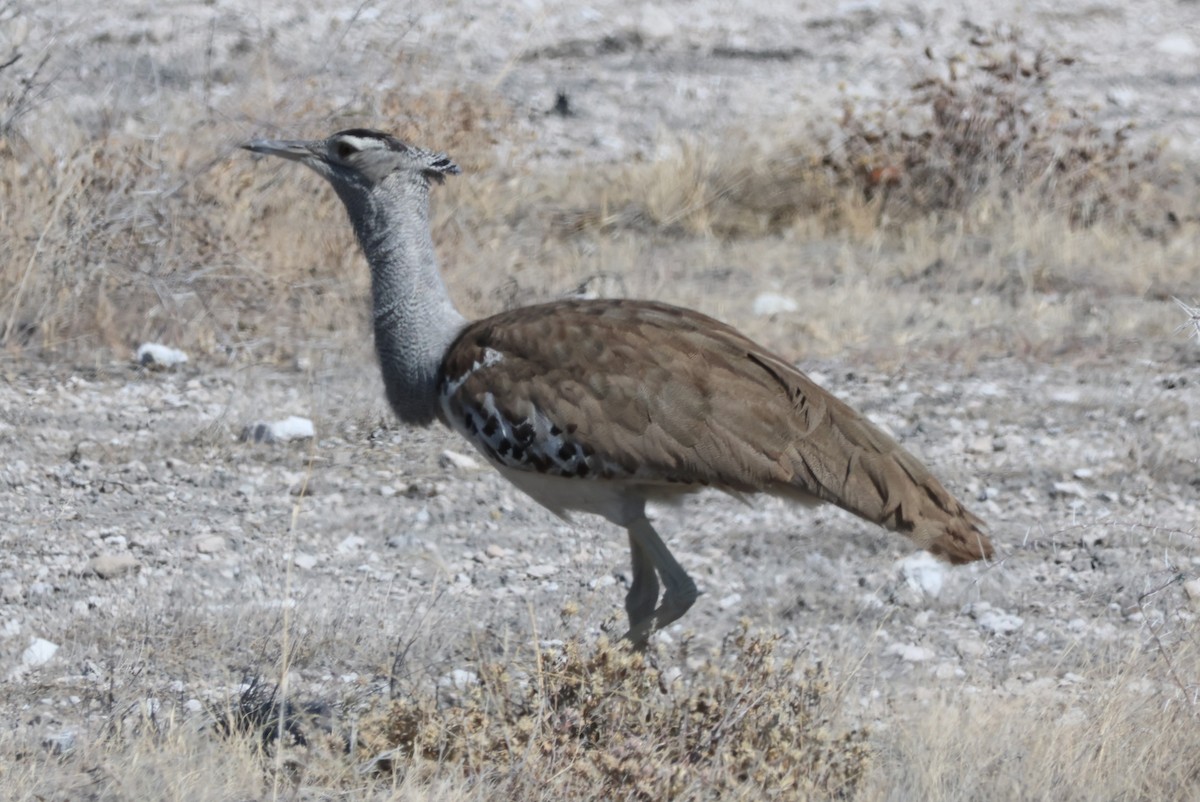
{"points": [[681, 590], [643, 591]]}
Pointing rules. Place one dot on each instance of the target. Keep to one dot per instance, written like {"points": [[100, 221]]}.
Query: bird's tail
{"points": [[858, 467]]}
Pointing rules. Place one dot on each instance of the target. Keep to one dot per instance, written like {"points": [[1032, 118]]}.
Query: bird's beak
{"points": [[293, 149]]}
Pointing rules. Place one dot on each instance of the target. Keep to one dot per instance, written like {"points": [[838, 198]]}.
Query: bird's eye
{"points": [[345, 150]]}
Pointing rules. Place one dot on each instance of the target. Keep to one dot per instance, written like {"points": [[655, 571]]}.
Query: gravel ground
{"points": [[142, 532]]}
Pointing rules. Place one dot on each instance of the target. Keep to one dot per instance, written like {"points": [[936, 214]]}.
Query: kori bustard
{"points": [[600, 406]]}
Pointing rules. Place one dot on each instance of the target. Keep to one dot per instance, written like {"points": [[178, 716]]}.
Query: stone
{"points": [[994, 620], [159, 357], [60, 743], [772, 303], [111, 566], [1069, 489], [911, 652], [732, 600], [923, 572], [969, 647], [460, 462], [305, 562], [208, 544], [39, 652], [1191, 589], [351, 544], [1176, 44], [290, 428], [541, 571]]}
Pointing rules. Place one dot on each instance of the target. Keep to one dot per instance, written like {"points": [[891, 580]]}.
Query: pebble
{"points": [[60, 743], [994, 620], [924, 572], [451, 686], [541, 571], [1192, 589], [111, 566], [1069, 489], [39, 652], [303, 561], [984, 444], [732, 600], [969, 647], [910, 652], [290, 428], [461, 462], [947, 671], [1176, 44], [208, 544], [351, 544], [772, 303], [159, 357]]}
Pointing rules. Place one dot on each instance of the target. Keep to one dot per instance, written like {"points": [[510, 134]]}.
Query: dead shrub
{"points": [[604, 723]]}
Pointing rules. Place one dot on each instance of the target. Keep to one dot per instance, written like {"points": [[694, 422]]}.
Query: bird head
{"points": [[360, 158]]}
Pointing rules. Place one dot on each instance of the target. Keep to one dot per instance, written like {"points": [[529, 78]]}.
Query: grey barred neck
{"points": [[415, 320]]}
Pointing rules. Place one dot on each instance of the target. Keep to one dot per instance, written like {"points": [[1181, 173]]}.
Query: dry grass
{"points": [[978, 195], [1115, 734], [595, 722]]}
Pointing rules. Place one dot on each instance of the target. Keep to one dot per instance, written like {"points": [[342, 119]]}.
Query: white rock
{"points": [[459, 678], [947, 671], [968, 647], [292, 427], [995, 621], [772, 303], [159, 357], [351, 543], [984, 444], [60, 742], [1192, 589], [911, 652], [924, 572], [111, 566], [39, 652], [208, 544], [656, 23], [461, 462], [732, 600], [1122, 97], [541, 571], [1069, 489], [452, 685], [305, 562], [1176, 44]]}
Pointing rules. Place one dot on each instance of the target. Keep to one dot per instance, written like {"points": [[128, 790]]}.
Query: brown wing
{"points": [[654, 393]]}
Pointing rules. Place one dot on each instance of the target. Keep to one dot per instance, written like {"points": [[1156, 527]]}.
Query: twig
{"points": [[1193, 313]]}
